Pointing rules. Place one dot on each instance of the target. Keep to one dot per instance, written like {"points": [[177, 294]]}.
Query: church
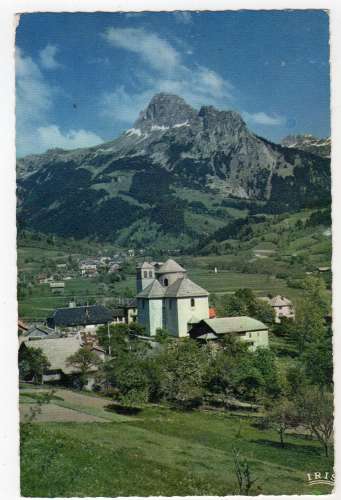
{"points": [[167, 298]]}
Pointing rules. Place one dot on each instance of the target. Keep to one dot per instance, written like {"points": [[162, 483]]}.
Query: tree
{"points": [[116, 337], [316, 409], [244, 303], [318, 359], [136, 328], [83, 360], [162, 335], [309, 325], [182, 369], [32, 363], [283, 415], [243, 474], [265, 362]]}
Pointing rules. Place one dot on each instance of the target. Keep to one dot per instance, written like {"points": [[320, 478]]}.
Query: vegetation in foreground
{"points": [[165, 452]]}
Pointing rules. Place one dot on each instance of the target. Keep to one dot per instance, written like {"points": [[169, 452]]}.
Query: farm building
{"points": [[87, 317], [283, 307], [249, 330], [57, 351]]}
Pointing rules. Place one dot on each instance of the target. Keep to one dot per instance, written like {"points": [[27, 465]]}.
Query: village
{"points": [[167, 301]]}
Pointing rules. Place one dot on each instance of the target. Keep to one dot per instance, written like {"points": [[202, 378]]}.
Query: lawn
{"points": [[162, 452]]}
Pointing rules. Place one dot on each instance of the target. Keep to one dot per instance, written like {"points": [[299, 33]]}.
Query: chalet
{"points": [[249, 330], [87, 317], [57, 351], [283, 307]]}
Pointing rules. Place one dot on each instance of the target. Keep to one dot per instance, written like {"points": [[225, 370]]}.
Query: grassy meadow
{"points": [[158, 451]]}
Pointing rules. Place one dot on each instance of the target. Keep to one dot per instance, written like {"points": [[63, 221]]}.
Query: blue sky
{"points": [[83, 78]]}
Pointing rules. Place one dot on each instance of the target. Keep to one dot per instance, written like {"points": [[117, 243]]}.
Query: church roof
{"points": [[237, 324], [145, 265], [184, 287], [170, 266], [152, 291]]}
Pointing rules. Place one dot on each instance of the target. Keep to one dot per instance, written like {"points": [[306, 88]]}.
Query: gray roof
{"points": [[145, 265], [237, 324], [58, 350], [80, 316], [277, 301], [184, 287], [152, 291], [170, 266]]}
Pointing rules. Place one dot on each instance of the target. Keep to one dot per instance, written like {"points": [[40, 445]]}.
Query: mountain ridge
{"points": [[171, 157]]}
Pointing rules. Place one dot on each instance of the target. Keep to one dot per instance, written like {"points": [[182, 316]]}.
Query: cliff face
{"points": [[172, 155]]}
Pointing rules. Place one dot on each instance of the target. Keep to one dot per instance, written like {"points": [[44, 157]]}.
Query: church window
{"points": [[165, 282], [192, 302], [145, 274], [150, 274]]}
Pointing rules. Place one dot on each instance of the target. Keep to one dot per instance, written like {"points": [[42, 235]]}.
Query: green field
{"points": [[161, 451], [41, 301]]}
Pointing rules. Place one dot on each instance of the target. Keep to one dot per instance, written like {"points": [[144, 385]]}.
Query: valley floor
{"points": [[80, 447]]}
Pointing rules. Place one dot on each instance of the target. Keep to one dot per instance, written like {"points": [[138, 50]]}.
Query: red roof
{"points": [[212, 312]]}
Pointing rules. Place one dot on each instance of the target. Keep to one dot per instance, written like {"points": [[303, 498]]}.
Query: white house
{"points": [[168, 299], [283, 307]]}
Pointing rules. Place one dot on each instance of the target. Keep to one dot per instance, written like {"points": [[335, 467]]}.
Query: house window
{"points": [[165, 282], [150, 274], [192, 302], [145, 274], [170, 303]]}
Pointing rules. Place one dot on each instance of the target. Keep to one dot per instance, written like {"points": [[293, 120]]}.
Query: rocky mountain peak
{"points": [[165, 111], [229, 122]]}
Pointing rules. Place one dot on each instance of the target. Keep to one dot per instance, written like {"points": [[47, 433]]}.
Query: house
{"points": [[118, 316], [88, 317], [40, 332], [88, 267], [168, 299], [283, 307], [130, 311], [249, 330], [57, 351]]}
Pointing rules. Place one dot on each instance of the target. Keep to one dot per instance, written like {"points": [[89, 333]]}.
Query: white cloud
{"points": [[34, 102], [163, 71], [262, 118], [52, 136], [153, 50], [47, 57]]}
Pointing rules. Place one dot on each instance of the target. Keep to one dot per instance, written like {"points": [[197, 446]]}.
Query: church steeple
{"points": [[169, 272]]}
